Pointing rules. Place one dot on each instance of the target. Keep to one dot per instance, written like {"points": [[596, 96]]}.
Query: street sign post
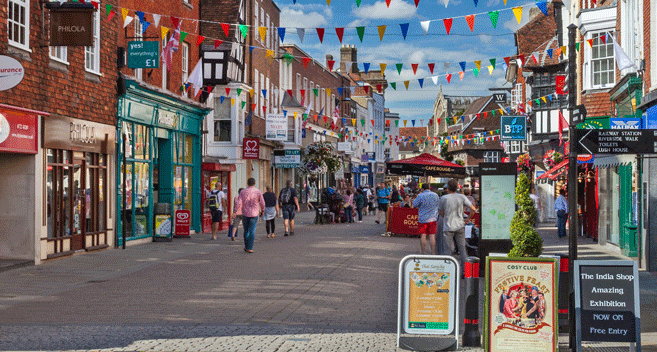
{"points": [[578, 114], [616, 141], [144, 54]]}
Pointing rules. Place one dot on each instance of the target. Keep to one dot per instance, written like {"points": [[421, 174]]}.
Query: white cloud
{"points": [[305, 16], [485, 39], [493, 3], [398, 9]]}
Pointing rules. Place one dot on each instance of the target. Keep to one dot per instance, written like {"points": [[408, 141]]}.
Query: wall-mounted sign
{"points": [[625, 124], [287, 159], [11, 72], [364, 169], [251, 148], [80, 135], [521, 304], [144, 54], [616, 141], [276, 127], [345, 147], [72, 26], [18, 132], [513, 128]]}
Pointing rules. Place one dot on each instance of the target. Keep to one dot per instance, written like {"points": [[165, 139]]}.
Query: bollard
{"points": [[564, 290], [471, 336]]}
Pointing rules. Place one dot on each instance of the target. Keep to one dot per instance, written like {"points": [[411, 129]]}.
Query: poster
{"points": [[403, 220], [276, 127], [521, 304], [431, 291], [498, 206]]}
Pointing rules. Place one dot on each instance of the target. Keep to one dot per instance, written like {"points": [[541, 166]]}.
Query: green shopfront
{"points": [[159, 162]]}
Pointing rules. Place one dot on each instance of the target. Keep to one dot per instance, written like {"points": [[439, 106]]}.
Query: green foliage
{"points": [[526, 241], [444, 151], [459, 161]]}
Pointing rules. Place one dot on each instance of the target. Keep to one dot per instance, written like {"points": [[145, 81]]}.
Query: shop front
{"points": [[213, 173], [79, 159], [159, 163]]}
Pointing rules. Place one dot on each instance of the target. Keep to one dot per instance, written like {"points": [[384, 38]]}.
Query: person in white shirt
{"points": [[217, 204]]}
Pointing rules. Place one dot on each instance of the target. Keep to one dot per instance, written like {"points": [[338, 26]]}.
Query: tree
{"points": [[444, 151], [526, 241]]}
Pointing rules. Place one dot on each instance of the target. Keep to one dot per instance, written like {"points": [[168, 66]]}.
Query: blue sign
{"points": [[364, 169], [625, 124], [651, 118], [513, 128]]}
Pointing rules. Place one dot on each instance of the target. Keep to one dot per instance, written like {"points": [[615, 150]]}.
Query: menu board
{"points": [[498, 205], [430, 288]]}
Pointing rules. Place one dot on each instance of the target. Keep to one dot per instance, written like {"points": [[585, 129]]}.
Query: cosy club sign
{"points": [[18, 132], [251, 148]]}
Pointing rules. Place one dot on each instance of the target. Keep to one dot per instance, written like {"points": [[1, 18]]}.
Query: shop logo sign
{"points": [[251, 148], [513, 128], [625, 124], [72, 27], [11, 72]]}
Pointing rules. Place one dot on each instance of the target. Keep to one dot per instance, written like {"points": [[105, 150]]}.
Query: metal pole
{"points": [[572, 173], [125, 198]]}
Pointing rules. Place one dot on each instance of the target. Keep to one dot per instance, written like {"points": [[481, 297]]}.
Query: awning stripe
{"points": [[612, 160]]}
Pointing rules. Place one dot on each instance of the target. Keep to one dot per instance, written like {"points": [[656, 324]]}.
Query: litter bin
{"points": [[163, 224]]}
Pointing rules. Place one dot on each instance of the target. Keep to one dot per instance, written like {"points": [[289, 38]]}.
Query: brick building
{"points": [[57, 132]]}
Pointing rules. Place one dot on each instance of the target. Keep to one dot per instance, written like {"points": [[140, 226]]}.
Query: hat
{"points": [[535, 288]]}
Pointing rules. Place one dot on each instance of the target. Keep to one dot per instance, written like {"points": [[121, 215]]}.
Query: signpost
{"points": [[513, 128], [428, 303], [144, 54], [616, 141], [607, 302]]}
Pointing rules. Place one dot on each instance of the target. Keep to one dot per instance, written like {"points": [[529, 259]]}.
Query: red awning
{"points": [[426, 165], [554, 172]]}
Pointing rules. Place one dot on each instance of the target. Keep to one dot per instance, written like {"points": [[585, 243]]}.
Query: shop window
{"points": [[223, 123], [18, 23], [183, 171]]}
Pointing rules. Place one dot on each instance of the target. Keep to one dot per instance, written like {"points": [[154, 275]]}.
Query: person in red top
{"points": [[251, 204], [510, 305]]}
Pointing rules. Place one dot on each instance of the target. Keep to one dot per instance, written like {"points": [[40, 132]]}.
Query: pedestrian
{"points": [[427, 209], [466, 193], [395, 197], [271, 211], [236, 218], [451, 209], [402, 192], [217, 204], [251, 204], [360, 202], [440, 239], [383, 198], [290, 206], [348, 205], [561, 207], [369, 198]]}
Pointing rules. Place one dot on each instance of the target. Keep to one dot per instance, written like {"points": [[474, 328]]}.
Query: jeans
{"points": [[360, 213], [456, 238], [270, 225], [350, 213], [249, 224], [562, 217]]}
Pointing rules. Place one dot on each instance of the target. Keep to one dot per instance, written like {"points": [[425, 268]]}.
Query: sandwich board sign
{"points": [[428, 303]]}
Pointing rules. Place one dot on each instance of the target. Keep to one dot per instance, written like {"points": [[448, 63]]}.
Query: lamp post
{"points": [[572, 176]]}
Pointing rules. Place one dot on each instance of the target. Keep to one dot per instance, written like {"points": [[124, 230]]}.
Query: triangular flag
{"points": [[494, 15], [414, 66], [406, 84], [431, 66], [316, 91], [251, 49], [366, 67], [420, 81], [361, 32], [244, 30], [543, 6], [340, 89], [576, 47], [518, 12], [478, 64], [227, 91], [490, 69], [108, 9], [96, 4], [175, 21], [434, 79], [301, 32], [243, 104], [382, 29], [399, 67], [183, 35], [462, 64], [140, 15], [251, 91], [264, 93], [328, 2], [413, 123], [404, 27], [603, 37], [124, 13], [127, 20], [383, 67], [232, 102], [340, 32], [281, 33], [470, 19], [353, 122], [263, 33], [393, 85], [507, 60], [328, 92], [448, 77], [362, 122], [156, 19], [492, 62], [221, 99], [199, 40], [226, 28], [388, 3], [590, 41], [562, 50], [320, 34], [396, 123], [417, 2], [461, 75], [330, 64], [448, 24], [217, 43], [306, 61], [367, 89], [358, 3], [550, 52], [296, 114], [425, 26], [475, 71], [476, 2]]}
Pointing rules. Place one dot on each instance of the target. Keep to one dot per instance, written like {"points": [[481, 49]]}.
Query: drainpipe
{"points": [[558, 19]]}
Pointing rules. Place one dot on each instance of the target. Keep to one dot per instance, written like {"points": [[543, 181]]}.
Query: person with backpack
{"points": [[360, 201], [271, 210], [290, 206], [217, 204]]}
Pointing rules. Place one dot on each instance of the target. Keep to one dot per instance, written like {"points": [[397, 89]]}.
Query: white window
{"points": [[59, 53], [267, 99], [164, 67], [185, 62], [259, 92], [516, 94], [297, 86], [138, 36], [223, 124], [268, 36], [18, 23], [491, 156], [256, 84], [291, 128], [515, 147], [92, 53], [257, 19], [602, 62]]}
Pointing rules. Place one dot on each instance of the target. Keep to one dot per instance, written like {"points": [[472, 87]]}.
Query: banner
{"points": [[403, 221], [276, 127], [521, 304]]}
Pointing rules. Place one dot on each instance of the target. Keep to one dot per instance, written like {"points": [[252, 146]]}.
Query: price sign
{"points": [[144, 54]]}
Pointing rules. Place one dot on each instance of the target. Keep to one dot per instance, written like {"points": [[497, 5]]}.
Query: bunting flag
{"points": [[420, 81], [405, 121], [244, 30], [366, 67], [281, 33], [518, 12], [263, 33], [383, 67], [414, 66], [361, 32], [393, 85], [406, 84], [462, 64], [478, 64], [226, 28], [330, 64], [461, 75], [227, 91], [494, 15], [199, 40], [476, 72], [124, 13], [367, 89], [576, 48], [301, 32], [603, 37], [306, 61], [435, 80], [382, 29], [448, 25], [163, 31], [156, 19], [358, 3], [217, 42], [490, 70], [399, 67], [339, 32], [127, 20], [431, 66], [425, 26], [448, 77], [320, 34], [550, 52], [470, 19], [590, 41], [404, 26], [543, 6]]}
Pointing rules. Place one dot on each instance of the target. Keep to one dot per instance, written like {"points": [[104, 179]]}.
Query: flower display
{"points": [[320, 158], [552, 158], [525, 164]]}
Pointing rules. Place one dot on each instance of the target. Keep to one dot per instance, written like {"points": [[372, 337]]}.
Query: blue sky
{"points": [[484, 43]]}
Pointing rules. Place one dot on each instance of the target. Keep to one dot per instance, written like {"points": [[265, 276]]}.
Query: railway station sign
{"points": [[616, 141]]}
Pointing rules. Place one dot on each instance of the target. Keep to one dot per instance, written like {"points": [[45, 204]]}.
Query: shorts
{"points": [[383, 207], [289, 211], [427, 227], [217, 215]]}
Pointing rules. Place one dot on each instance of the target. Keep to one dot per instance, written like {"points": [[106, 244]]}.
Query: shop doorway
{"points": [[78, 206]]}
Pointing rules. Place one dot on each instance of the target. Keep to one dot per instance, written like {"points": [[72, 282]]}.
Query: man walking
{"points": [[451, 209], [427, 209], [217, 204], [561, 207], [290, 206], [383, 198], [250, 204]]}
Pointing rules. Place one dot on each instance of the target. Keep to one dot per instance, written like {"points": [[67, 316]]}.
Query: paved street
{"points": [[328, 288]]}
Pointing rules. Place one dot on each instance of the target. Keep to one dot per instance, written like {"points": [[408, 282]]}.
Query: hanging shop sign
{"points": [[11, 72], [499, 98], [287, 159], [72, 25], [276, 127], [607, 301], [513, 128], [79, 135], [364, 169], [251, 148], [144, 54], [18, 132], [521, 304]]}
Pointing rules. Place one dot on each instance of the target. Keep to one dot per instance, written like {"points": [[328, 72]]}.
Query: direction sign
{"points": [[615, 141], [578, 114], [144, 54]]}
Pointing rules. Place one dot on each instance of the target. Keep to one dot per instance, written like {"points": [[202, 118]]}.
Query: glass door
{"points": [[78, 198]]}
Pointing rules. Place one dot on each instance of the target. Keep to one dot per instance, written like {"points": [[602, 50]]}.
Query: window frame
{"points": [[218, 115], [25, 6], [59, 54], [94, 50], [610, 60], [184, 50]]}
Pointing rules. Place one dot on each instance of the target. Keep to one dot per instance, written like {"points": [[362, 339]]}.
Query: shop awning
{"points": [[554, 172], [426, 165], [612, 160]]}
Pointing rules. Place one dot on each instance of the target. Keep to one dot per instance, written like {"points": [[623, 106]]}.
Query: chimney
{"points": [[328, 58], [348, 53]]}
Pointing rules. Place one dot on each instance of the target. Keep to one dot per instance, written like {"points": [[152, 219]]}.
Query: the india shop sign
{"points": [[72, 26]]}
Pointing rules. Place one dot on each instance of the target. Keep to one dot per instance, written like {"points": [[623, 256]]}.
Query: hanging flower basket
{"points": [[525, 164], [319, 158], [552, 158]]}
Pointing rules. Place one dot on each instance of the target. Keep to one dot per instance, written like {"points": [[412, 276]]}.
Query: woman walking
{"points": [[360, 202], [271, 210], [348, 200], [236, 218]]}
